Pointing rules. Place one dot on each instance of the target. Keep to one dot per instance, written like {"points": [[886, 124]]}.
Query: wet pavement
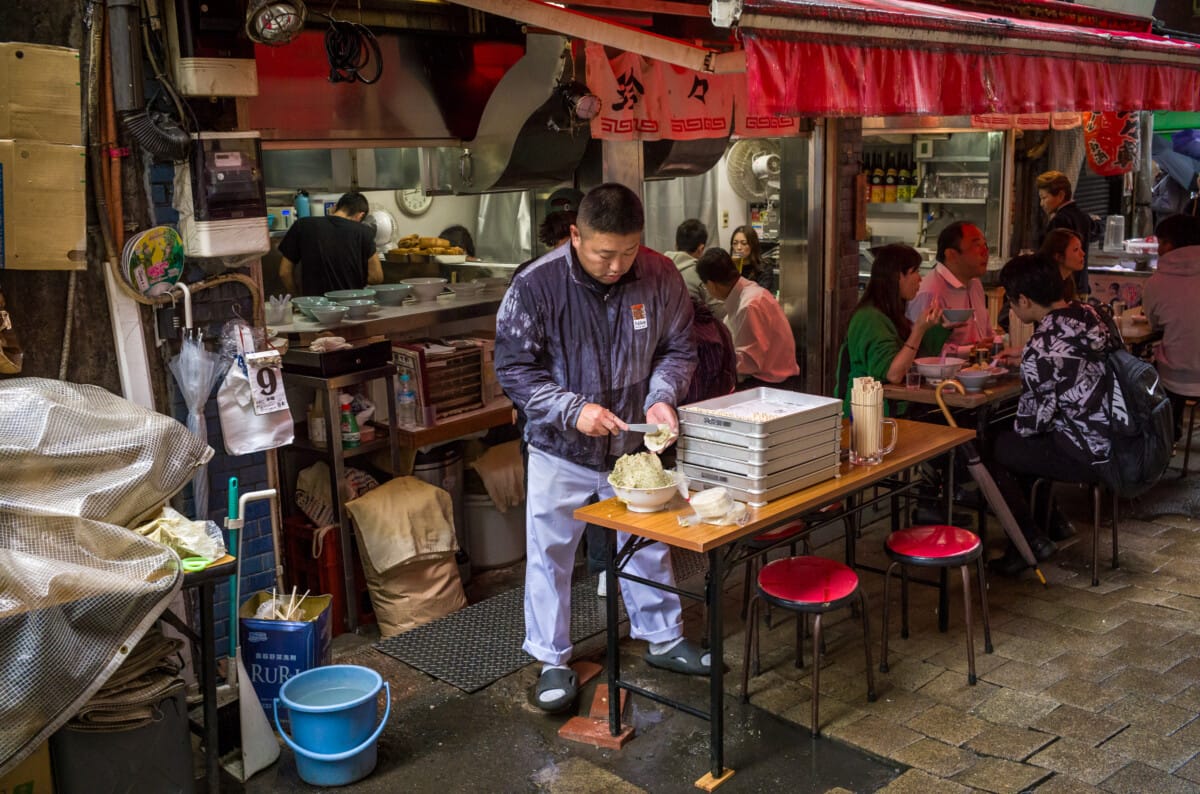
{"points": [[1088, 688]]}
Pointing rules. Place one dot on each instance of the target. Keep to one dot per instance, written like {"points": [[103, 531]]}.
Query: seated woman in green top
{"points": [[880, 341]]}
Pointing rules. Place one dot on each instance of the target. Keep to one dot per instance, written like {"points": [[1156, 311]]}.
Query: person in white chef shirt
{"points": [[954, 283]]}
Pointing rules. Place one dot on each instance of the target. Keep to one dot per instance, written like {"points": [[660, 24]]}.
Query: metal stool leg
{"points": [[883, 641], [1187, 450], [816, 674], [750, 625], [862, 602], [1095, 535], [904, 602], [966, 577], [981, 575], [1115, 508]]}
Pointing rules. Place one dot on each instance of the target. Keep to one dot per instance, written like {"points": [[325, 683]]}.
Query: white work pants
{"points": [[556, 489]]}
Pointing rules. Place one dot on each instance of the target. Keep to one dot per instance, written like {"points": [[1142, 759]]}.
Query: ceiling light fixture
{"points": [[583, 104], [274, 22]]}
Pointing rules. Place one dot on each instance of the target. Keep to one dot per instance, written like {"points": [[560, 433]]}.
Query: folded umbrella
{"points": [[990, 491]]}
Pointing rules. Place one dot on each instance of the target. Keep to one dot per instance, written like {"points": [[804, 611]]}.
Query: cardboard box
{"points": [[39, 93], [43, 206], [275, 650], [31, 776]]}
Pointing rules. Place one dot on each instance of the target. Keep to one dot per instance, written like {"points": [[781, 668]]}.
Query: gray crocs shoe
{"points": [[556, 679], [686, 658]]}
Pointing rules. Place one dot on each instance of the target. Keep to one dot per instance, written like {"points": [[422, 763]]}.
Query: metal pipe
{"points": [[123, 42]]}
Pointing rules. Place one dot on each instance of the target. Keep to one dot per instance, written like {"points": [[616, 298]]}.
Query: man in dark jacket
{"points": [[1061, 426], [1054, 194], [594, 334]]}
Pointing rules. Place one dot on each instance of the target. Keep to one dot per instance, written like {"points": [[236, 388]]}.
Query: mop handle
{"points": [[232, 523]]}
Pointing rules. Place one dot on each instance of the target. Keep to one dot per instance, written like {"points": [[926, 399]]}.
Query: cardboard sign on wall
{"points": [[43, 208]]}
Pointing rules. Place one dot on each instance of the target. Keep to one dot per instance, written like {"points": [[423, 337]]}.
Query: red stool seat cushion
{"points": [[933, 542], [807, 580]]}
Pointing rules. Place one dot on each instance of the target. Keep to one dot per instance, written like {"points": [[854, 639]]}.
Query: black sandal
{"points": [[683, 658], [556, 678]]}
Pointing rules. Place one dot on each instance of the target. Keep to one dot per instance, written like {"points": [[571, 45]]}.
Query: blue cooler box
{"points": [[275, 650]]}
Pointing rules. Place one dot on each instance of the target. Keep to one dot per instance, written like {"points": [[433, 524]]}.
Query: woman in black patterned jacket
{"points": [[1060, 427]]}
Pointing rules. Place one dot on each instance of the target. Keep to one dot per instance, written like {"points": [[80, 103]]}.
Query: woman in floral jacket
{"points": [[1060, 427]]}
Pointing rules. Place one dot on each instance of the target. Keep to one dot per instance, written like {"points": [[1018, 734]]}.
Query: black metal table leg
{"points": [[716, 684], [943, 580], [613, 632]]}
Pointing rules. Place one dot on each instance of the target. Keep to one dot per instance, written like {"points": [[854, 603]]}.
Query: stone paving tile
{"points": [[948, 725], [1009, 707], [1024, 677], [1025, 650], [1188, 643], [1032, 608], [1095, 622], [834, 714], [956, 658], [952, 689], [1092, 644], [874, 735], [1076, 723], [1185, 603], [999, 775], [1178, 521], [1150, 657], [778, 698], [909, 673], [577, 775], [1151, 715], [1190, 771], [1139, 778], [1161, 752], [1137, 681], [1188, 698], [899, 706], [936, 757], [1079, 760], [1011, 742], [1063, 784], [914, 781], [1084, 667], [1146, 544], [1084, 694], [1039, 630], [1160, 621], [1145, 595], [1089, 599], [1189, 733]]}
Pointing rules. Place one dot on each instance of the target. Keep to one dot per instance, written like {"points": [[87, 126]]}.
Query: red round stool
{"points": [[937, 546], [794, 531], [807, 585]]}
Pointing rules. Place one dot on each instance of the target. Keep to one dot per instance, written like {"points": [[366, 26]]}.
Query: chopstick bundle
{"points": [[866, 413]]}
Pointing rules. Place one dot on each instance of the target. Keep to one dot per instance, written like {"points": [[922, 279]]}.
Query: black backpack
{"points": [[1141, 425]]}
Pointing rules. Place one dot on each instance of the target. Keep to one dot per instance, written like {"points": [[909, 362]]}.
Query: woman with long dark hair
{"points": [[747, 255], [1065, 248], [881, 342]]}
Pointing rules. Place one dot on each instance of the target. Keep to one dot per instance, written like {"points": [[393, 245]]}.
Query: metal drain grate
{"points": [[481, 644]]}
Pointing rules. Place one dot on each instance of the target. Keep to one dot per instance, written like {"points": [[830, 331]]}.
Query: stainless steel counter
{"points": [[410, 316]]}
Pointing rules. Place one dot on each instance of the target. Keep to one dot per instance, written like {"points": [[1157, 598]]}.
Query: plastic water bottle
{"points": [[302, 208], [351, 437], [406, 403]]}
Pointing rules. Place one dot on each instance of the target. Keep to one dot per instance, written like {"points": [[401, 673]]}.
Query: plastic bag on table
{"points": [[715, 506], [186, 537]]}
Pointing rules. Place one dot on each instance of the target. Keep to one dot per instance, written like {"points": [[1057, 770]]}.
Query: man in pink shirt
{"points": [[954, 283], [762, 336]]}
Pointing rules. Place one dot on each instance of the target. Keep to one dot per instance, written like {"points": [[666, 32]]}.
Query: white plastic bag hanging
{"points": [[254, 413]]}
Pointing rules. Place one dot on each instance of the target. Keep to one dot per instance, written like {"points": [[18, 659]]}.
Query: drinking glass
{"points": [[912, 379], [866, 437]]}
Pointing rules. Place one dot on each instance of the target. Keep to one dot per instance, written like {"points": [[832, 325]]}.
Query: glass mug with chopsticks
{"points": [[866, 435]]}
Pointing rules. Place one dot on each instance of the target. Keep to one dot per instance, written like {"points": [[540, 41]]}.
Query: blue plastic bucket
{"points": [[333, 713]]}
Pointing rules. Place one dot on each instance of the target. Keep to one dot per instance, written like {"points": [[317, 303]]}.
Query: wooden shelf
{"points": [[494, 414], [304, 442]]}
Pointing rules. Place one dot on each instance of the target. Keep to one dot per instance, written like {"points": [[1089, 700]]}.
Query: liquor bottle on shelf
{"points": [[904, 180], [877, 175], [889, 179]]}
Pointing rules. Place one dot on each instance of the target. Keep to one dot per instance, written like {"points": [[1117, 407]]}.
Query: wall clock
{"points": [[413, 201]]}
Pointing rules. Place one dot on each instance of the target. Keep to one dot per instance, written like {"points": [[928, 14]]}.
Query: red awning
{"points": [[898, 57]]}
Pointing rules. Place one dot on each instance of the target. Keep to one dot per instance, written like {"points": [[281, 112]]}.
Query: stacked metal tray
{"points": [[760, 444]]}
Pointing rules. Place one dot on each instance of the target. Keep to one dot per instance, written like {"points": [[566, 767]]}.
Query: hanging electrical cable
{"points": [[350, 48]]}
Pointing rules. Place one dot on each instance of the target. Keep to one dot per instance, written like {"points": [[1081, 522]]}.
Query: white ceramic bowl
{"points": [[426, 288], [646, 500], [359, 307], [957, 315], [974, 380], [328, 315], [937, 368], [466, 289], [391, 294]]}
